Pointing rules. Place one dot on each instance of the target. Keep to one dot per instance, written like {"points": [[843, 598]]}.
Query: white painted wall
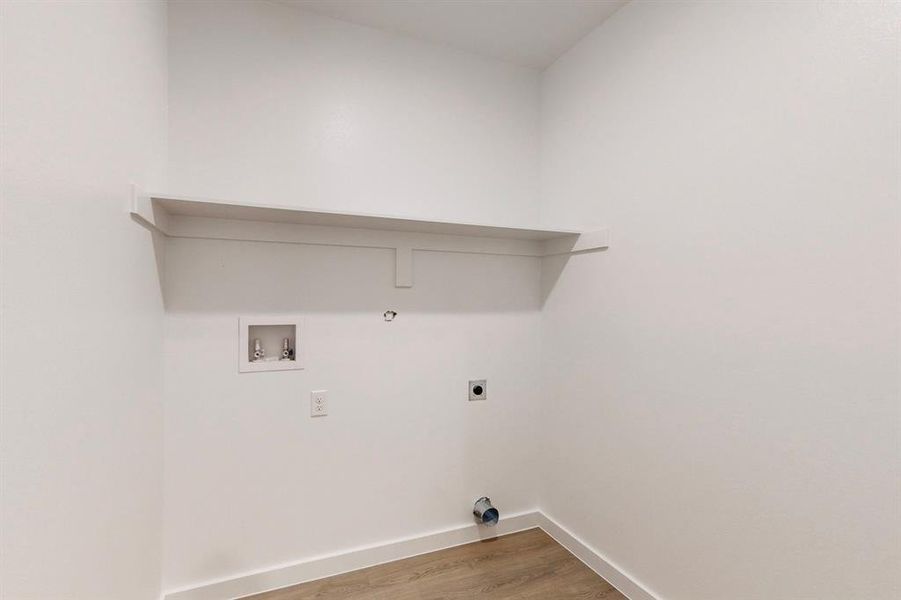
{"points": [[271, 102], [252, 481], [730, 368], [726, 377], [83, 109]]}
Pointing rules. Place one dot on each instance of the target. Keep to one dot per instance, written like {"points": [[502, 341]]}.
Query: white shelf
{"points": [[181, 216]]}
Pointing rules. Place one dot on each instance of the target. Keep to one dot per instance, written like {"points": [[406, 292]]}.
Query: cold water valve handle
{"points": [[287, 352]]}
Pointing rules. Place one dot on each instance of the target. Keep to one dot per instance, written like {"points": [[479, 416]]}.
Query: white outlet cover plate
{"points": [[319, 403]]}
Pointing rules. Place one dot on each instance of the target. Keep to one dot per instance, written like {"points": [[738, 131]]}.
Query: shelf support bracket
{"points": [[583, 242], [403, 274], [145, 212]]}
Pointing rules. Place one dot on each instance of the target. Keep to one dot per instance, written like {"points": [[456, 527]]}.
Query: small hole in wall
{"points": [[477, 390], [389, 315]]}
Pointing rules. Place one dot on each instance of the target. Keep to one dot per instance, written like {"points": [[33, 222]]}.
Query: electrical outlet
{"points": [[478, 389], [319, 403]]}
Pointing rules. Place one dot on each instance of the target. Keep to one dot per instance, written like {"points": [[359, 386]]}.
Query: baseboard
{"points": [[370, 556], [357, 558], [615, 576]]}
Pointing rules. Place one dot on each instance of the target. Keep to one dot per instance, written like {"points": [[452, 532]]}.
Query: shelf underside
{"points": [[179, 216]]}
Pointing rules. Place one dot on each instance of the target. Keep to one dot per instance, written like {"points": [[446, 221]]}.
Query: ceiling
{"points": [[531, 33]]}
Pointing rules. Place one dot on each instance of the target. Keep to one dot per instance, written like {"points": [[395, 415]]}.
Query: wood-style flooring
{"points": [[528, 565]]}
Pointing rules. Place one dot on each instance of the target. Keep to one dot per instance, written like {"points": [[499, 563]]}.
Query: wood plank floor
{"points": [[528, 565]]}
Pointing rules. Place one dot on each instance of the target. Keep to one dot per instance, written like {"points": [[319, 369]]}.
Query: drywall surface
{"points": [[271, 103], [727, 375], [83, 110], [274, 103], [253, 482]]}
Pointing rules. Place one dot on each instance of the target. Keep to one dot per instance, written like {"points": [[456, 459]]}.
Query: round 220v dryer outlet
{"points": [[478, 389]]}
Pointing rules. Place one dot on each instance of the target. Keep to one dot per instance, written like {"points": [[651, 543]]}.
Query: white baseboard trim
{"points": [[370, 556], [615, 576], [358, 558]]}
